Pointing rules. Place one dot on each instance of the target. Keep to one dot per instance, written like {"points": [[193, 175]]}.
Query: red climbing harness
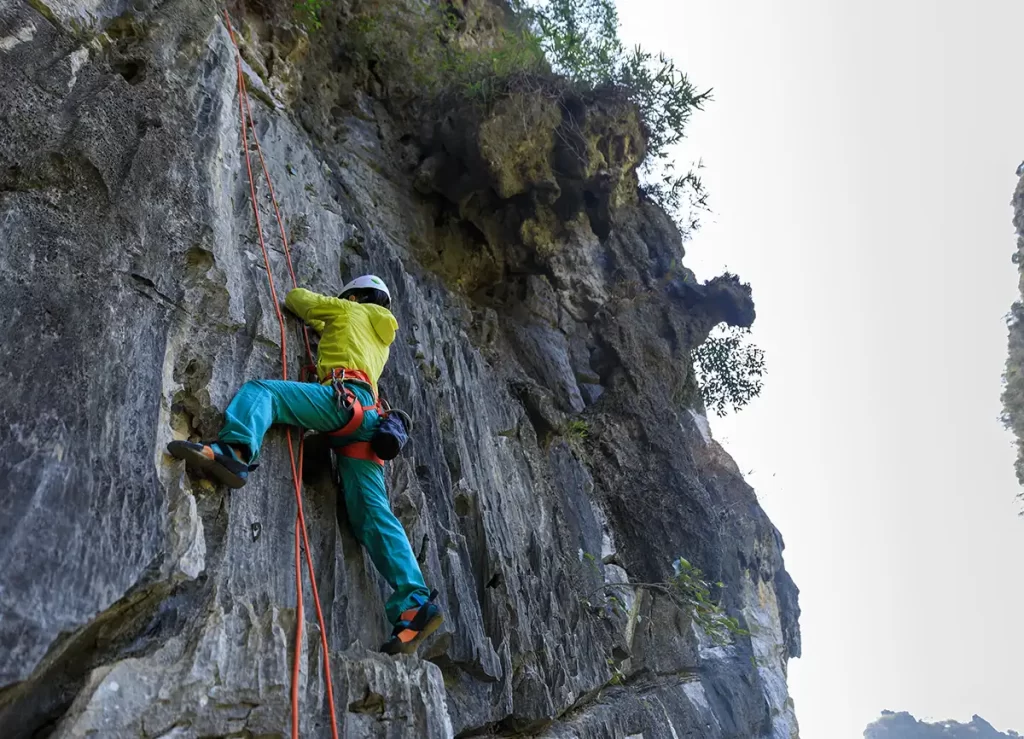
{"points": [[359, 450], [350, 401], [341, 374], [301, 534]]}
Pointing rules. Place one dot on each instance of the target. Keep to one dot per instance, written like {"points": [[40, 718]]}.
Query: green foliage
{"points": [[579, 37], [681, 196], [729, 369], [577, 429], [618, 676], [580, 40], [421, 47], [591, 565], [307, 14], [689, 589], [483, 74], [665, 97], [577, 40], [689, 586]]}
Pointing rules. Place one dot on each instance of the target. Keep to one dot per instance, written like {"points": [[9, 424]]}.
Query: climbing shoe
{"points": [[414, 625], [216, 458]]}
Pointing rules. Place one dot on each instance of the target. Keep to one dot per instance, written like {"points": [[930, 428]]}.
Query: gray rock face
{"points": [[559, 454], [1013, 392]]}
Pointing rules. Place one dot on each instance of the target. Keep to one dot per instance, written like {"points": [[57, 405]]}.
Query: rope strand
{"points": [[301, 532]]}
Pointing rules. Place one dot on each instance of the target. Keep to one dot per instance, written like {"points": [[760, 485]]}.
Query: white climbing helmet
{"points": [[367, 281]]}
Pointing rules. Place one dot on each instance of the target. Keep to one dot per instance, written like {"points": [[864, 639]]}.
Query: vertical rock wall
{"points": [[560, 450]]}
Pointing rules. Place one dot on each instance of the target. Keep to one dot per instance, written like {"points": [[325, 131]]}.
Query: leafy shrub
{"points": [[307, 14], [580, 39], [577, 40], [420, 47], [689, 586], [683, 197], [729, 369]]}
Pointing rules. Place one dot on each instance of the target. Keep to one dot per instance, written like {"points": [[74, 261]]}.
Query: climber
{"points": [[357, 329]]}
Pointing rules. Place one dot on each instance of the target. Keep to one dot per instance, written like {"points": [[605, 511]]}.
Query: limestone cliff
{"points": [[560, 448], [1013, 391]]}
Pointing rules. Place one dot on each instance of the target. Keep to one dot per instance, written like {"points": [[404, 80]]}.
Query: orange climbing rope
{"points": [[300, 519]]}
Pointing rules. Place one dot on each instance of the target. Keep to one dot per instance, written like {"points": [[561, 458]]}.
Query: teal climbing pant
{"points": [[261, 403]]}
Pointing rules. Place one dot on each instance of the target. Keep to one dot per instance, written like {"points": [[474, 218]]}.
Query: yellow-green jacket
{"points": [[353, 335]]}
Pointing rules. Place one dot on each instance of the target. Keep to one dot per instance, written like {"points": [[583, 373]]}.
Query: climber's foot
{"points": [[217, 458], [414, 625]]}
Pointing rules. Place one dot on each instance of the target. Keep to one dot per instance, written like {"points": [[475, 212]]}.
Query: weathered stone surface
{"points": [[559, 456], [1013, 392]]}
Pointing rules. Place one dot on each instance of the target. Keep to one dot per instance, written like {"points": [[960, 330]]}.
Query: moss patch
{"points": [[517, 142]]}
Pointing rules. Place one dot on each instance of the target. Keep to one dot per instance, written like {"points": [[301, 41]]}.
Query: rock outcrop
{"points": [[1013, 390], [561, 451]]}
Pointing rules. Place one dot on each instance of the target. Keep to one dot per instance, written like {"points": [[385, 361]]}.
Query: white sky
{"points": [[860, 158]]}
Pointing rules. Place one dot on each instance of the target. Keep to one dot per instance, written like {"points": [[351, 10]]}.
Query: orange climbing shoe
{"points": [[216, 458], [414, 625]]}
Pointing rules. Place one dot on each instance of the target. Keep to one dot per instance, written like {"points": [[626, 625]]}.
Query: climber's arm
{"points": [[314, 308]]}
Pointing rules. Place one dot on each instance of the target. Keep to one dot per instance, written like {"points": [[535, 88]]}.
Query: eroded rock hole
{"points": [[9, 179], [198, 261], [597, 212], [371, 703], [133, 71]]}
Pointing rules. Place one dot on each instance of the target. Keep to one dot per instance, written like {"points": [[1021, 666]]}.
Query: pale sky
{"points": [[860, 158]]}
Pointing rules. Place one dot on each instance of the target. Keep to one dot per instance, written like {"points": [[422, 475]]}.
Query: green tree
{"points": [[729, 369], [574, 40], [580, 39]]}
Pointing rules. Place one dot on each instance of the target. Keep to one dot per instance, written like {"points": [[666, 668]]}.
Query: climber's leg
{"points": [[369, 511], [414, 625], [256, 406]]}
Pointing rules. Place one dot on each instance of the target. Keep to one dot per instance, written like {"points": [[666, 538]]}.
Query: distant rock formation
{"points": [[904, 726]]}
